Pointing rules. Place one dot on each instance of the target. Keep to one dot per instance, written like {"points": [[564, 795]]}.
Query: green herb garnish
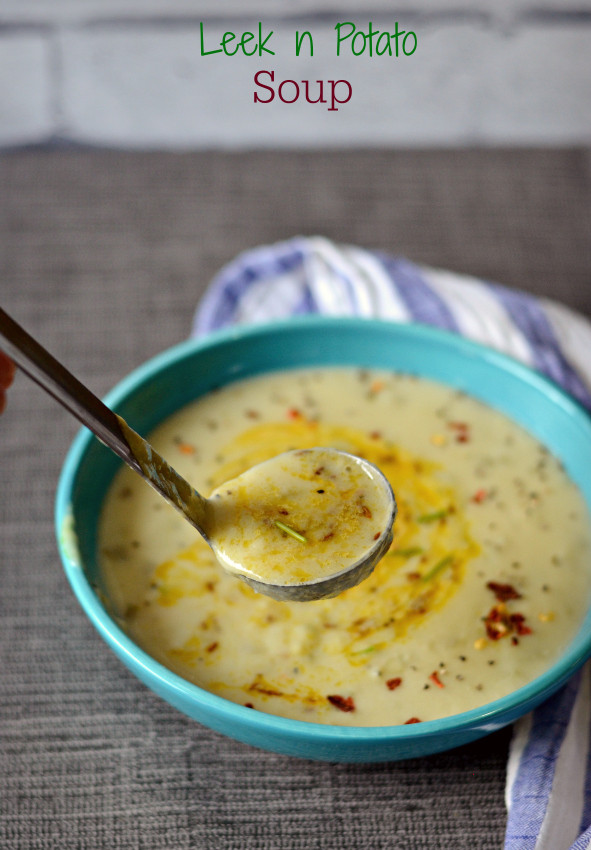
{"points": [[433, 517], [408, 553], [291, 531], [365, 651], [440, 565]]}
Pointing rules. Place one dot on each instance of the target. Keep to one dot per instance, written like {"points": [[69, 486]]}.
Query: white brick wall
{"points": [[129, 73], [25, 93]]}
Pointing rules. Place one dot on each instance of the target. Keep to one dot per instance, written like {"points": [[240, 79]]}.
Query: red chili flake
{"points": [[392, 684], [210, 586], [252, 414], [319, 471], [479, 496], [294, 413], [342, 703], [212, 646], [283, 512], [499, 623], [413, 576], [514, 641], [366, 511], [328, 536], [375, 435], [248, 705], [412, 720], [518, 620], [434, 677], [186, 448], [495, 627], [377, 535], [503, 592], [462, 430]]}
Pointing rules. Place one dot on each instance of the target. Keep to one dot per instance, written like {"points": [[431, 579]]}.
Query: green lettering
{"points": [[370, 36], [363, 40], [408, 35], [205, 52], [396, 35], [246, 38], [263, 43], [387, 48], [299, 40], [346, 36], [226, 39]]}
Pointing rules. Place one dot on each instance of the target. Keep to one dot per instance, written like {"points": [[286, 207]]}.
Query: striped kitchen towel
{"points": [[548, 790]]}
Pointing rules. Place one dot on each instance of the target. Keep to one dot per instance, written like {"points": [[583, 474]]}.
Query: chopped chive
{"points": [[440, 565], [291, 531], [365, 651], [408, 553], [433, 516]]}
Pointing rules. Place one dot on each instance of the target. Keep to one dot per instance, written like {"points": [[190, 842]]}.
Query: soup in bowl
{"points": [[478, 611]]}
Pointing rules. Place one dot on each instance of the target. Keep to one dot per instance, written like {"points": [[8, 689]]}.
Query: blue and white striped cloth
{"points": [[548, 790]]}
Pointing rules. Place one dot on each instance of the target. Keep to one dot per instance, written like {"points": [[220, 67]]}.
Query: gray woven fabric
{"points": [[104, 256]]}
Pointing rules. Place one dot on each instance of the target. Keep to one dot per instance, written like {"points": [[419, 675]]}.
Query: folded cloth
{"points": [[548, 790]]}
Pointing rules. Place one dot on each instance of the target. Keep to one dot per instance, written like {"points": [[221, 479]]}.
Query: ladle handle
{"points": [[54, 378], [112, 430]]}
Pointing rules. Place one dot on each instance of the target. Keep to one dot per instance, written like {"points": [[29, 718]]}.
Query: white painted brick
{"points": [[25, 92], [77, 11], [541, 88], [139, 88], [466, 83], [143, 83]]}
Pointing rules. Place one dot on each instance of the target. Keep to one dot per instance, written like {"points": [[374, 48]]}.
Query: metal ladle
{"points": [[140, 456]]}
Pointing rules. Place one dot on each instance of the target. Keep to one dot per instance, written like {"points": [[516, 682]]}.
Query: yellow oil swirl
{"points": [[424, 567]]}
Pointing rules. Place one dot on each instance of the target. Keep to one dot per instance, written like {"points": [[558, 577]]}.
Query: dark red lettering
{"points": [[321, 98], [280, 91], [258, 99], [334, 99]]}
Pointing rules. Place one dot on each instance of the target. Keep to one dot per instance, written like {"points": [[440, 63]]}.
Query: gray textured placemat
{"points": [[104, 256]]}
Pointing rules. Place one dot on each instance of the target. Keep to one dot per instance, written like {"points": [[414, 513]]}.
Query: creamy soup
{"points": [[485, 583]]}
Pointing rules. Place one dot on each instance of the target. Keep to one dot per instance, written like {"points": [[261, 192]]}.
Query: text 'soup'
{"points": [[371, 42]]}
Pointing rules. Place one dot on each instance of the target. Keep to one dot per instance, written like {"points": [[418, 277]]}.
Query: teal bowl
{"points": [[187, 371]]}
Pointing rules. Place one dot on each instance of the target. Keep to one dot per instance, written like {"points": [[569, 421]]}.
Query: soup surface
{"points": [[336, 506], [487, 580]]}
